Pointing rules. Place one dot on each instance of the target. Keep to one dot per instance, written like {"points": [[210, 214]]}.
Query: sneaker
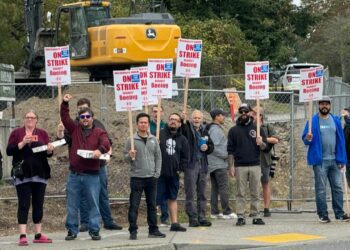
{"points": [[240, 222], [267, 212], [193, 223], [95, 235], [42, 239], [70, 236], [258, 221], [324, 219], [156, 234], [216, 216], [176, 227], [204, 223], [229, 216], [344, 218], [165, 223], [83, 228], [23, 241], [133, 236], [113, 226]]}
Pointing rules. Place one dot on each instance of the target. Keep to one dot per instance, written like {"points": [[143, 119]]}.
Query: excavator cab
{"points": [[81, 16]]}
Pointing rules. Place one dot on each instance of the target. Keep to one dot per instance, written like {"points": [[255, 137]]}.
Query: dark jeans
{"points": [[137, 186], [163, 203], [219, 186], [195, 185], [25, 192], [104, 207]]}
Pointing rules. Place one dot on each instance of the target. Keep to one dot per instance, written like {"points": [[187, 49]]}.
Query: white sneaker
{"points": [[216, 216], [229, 216]]}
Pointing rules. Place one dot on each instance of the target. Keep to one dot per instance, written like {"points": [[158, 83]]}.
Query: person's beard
{"points": [[173, 129], [324, 111], [243, 119]]}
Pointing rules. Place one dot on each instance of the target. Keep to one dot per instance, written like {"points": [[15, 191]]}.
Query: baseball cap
{"points": [[215, 112], [244, 107], [325, 98], [347, 109]]}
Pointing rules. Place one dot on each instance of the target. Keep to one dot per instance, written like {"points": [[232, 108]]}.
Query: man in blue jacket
{"points": [[327, 156]]}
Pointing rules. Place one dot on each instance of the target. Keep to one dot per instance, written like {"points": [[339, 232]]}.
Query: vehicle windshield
{"points": [[295, 69], [95, 14]]}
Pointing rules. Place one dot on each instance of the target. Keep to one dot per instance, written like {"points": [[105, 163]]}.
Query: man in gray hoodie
{"points": [[217, 167], [145, 162]]}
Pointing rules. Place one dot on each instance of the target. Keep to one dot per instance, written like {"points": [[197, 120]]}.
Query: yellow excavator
{"points": [[97, 41]]}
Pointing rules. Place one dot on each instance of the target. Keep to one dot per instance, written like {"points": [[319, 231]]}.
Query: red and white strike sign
{"points": [[146, 98], [188, 61], [256, 80], [160, 78], [57, 66], [127, 90], [311, 84]]}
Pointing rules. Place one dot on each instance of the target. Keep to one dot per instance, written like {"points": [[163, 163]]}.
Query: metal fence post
{"points": [[202, 100], [291, 153], [211, 93], [104, 107]]}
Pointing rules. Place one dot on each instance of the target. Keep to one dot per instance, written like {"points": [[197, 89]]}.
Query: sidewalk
{"points": [[297, 229]]}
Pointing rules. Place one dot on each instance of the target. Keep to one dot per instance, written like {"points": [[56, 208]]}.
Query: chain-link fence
{"points": [[293, 181]]}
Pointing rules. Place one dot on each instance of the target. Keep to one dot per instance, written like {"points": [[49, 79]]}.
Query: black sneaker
{"points": [[70, 236], [176, 227], [324, 219], [344, 218], [258, 221], [83, 228], [240, 222], [156, 234], [204, 223], [133, 236], [113, 226], [267, 212], [193, 223], [95, 235]]}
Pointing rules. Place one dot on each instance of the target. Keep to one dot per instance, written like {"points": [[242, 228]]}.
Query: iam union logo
{"points": [[252, 133], [151, 33]]}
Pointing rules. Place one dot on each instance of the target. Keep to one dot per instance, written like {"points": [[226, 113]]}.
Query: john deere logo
{"points": [[151, 33]]}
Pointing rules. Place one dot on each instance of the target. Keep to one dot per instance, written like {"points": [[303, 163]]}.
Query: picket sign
{"points": [[159, 82], [257, 85]]}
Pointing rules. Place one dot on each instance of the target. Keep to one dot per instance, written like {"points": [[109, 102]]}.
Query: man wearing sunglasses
{"points": [[104, 206], [84, 172], [243, 149]]}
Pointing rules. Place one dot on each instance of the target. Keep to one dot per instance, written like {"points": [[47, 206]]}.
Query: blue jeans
{"points": [[104, 207], [328, 170], [89, 186]]}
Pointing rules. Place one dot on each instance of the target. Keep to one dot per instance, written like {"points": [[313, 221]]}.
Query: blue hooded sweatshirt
{"points": [[314, 153]]}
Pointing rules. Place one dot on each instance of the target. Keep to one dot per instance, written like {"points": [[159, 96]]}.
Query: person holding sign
{"points": [[145, 162], [84, 171], [196, 174], [327, 156], [265, 158], [104, 206], [243, 149], [175, 158], [31, 172]]}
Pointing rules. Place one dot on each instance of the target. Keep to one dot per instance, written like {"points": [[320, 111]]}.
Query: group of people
{"points": [[186, 145]]}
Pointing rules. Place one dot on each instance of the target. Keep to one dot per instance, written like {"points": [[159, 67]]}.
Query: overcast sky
{"points": [[297, 2]]}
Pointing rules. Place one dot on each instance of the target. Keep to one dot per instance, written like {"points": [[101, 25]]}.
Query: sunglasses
{"points": [[244, 111], [84, 116]]}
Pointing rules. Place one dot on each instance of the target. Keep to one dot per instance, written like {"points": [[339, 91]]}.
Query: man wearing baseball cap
{"points": [[217, 167], [327, 156]]}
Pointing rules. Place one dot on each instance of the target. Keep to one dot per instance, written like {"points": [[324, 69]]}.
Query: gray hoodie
{"points": [[148, 160], [218, 158]]}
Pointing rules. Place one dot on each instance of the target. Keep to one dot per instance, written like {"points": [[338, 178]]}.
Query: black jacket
{"points": [[189, 131], [175, 152], [242, 144]]}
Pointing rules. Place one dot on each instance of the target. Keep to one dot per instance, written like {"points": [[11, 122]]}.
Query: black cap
{"points": [[347, 109], [215, 112], [244, 107], [325, 98]]}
